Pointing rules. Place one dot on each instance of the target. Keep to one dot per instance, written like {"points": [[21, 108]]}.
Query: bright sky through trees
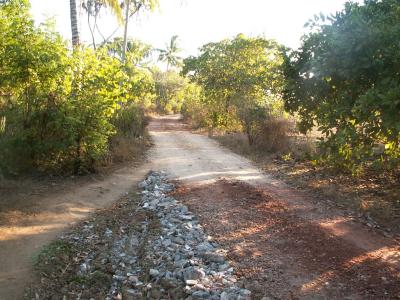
{"points": [[197, 22]]}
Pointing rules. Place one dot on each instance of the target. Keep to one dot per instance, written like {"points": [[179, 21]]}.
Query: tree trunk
{"points": [[77, 163], [127, 3], [250, 137], [74, 23]]}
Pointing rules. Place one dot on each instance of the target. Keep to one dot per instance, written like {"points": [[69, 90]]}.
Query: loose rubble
{"points": [[149, 247], [183, 262]]}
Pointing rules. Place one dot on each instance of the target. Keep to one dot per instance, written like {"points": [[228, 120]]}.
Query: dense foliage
{"points": [[242, 81], [59, 108], [346, 80], [169, 90]]}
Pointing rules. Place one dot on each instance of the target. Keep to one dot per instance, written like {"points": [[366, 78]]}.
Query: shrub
{"points": [[60, 109], [33, 67], [241, 78], [272, 135], [130, 121], [345, 80], [168, 86]]}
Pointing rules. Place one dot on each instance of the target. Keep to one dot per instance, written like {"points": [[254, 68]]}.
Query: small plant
{"points": [[54, 257], [99, 280], [287, 157]]}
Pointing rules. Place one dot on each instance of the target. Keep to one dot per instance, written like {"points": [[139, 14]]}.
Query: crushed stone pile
{"points": [[182, 261]]}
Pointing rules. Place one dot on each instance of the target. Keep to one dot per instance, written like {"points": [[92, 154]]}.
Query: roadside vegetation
{"points": [[329, 109], [61, 108], [325, 116]]}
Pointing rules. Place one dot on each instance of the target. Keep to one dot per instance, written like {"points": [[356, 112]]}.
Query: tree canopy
{"points": [[170, 54], [345, 79], [241, 78]]}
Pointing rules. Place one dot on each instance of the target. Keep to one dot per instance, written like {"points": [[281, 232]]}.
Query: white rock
{"points": [[154, 272]]}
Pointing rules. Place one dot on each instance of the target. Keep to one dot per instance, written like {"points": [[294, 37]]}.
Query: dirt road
{"points": [[283, 242], [25, 228], [287, 245]]}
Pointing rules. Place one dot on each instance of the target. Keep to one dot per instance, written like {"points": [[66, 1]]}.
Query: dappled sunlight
{"points": [[244, 175], [318, 283], [243, 233], [340, 227], [390, 255], [18, 232], [271, 241], [298, 172], [80, 210], [28, 225], [325, 278]]}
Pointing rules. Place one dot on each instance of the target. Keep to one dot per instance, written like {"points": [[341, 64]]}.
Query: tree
{"points": [[241, 78], [137, 52], [130, 10], [74, 23], [60, 108], [169, 55], [345, 79], [93, 7], [168, 86]]}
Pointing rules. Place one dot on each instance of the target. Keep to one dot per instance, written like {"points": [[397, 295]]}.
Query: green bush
{"points": [[241, 81], [33, 66], [169, 86], [130, 121], [59, 108], [345, 79]]}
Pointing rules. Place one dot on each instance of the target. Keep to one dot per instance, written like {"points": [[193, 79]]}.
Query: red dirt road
{"points": [[287, 244], [284, 255]]}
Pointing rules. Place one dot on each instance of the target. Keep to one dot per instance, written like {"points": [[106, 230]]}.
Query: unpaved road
{"points": [[287, 245], [24, 231], [244, 208]]}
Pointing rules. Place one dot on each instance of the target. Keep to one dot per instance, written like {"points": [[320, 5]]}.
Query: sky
{"points": [[198, 22]]}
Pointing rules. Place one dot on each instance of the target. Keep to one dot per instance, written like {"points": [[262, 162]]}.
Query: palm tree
{"points": [[112, 4], [170, 53], [74, 23], [129, 12]]}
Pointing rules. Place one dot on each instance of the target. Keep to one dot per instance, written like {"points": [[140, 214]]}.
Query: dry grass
{"points": [[124, 149], [127, 148], [23, 192], [273, 136], [373, 197]]}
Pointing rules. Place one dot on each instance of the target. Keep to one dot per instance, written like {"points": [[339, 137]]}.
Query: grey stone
{"points": [[154, 272], [191, 282], [193, 273], [166, 242], [200, 295], [181, 263], [203, 247], [245, 292], [178, 240], [186, 217], [186, 261], [213, 257]]}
